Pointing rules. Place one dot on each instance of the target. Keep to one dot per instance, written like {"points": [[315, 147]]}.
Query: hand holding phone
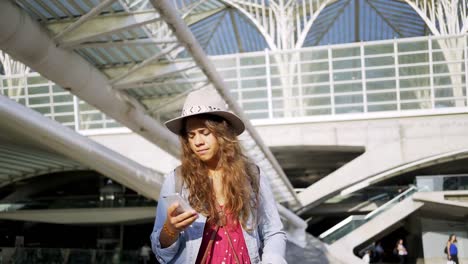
{"points": [[184, 206]]}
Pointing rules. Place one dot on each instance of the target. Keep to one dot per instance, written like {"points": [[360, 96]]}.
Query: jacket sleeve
{"points": [[164, 255], [270, 226]]}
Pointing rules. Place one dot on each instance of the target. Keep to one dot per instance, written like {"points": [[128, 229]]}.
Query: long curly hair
{"points": [[240, 184]]}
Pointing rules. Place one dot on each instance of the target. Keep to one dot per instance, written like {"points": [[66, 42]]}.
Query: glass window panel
{"points": [[252, 60], [414, 82], [378, 49], [276, 81], [349, 109], [350, 87], [277, 104], [413, 58], [347, 76], [381, 97], [65, 119], [322, 101], [39, 100], [228, 74], [314, 55], [38, 90], [412, 46], [380, 73], [417, 105], [274, 70], [415, 95], [43, 110], [316, 112], [440, 92], [322, 89], [86, 107], [224, 63], [63, 108], [92, 117], [231, 84], [254, 94], [316, 78], [253, 72], [379, 108], [380, 61], [278, 114], [256, 83], [255, 105], [446, 80], [37, 80], [346, 52], [63, 98], [347, 64], [57, 89], [348, 99], [113, 125], [440, 68], [311, 67], [414, 70], [257, 115], [10, 92], [277, 93]]}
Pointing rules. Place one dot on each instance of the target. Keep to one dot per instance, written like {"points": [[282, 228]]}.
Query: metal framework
{"points": [[91, 34]]}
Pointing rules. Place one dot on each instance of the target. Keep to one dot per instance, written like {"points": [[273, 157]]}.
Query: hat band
{"points": [[196, 109]]}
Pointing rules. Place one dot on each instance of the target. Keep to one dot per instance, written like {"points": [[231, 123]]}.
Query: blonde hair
{"points": [[240, 183]]}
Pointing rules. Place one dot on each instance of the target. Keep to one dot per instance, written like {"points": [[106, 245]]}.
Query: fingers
{"points": [[180, 221], [187, 221]]}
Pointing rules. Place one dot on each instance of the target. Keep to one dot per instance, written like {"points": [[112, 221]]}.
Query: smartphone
{"points": [[184, 206]]}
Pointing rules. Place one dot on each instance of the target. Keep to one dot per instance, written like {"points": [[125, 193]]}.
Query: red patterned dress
{"points": [[221, 251]]}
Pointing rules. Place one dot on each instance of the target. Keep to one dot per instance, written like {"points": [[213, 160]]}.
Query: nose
{"points": [[198, 140]]}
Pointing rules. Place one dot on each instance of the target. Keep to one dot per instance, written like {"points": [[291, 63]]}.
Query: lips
{"points": [[202, 151]]}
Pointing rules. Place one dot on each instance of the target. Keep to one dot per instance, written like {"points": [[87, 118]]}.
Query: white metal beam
{"points": [[185, 36], [119, 43], [31, 124], [101, 26]]}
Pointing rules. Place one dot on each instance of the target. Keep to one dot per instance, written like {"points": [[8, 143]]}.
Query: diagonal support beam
{"points": [[102, 26], [94, 12]]}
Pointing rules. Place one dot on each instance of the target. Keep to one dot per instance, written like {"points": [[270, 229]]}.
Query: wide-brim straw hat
{"points": [[204, 101]]}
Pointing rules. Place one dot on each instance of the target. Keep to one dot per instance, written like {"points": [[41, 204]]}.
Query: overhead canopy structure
{"points": [[124, 60]]}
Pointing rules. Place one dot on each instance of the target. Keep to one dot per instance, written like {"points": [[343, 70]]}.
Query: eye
{"points": [[206, 132]]}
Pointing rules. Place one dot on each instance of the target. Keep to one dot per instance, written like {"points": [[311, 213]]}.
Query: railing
{"points": [[438, 183], [85, 201], [353, 222], [411, 76], [68, 255]]}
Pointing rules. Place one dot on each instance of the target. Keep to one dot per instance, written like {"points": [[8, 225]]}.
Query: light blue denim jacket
{"points": [[266, 243]]}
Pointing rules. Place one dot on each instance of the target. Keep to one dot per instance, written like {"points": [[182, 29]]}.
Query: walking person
{"points": [[451, 249], [402, 252], [234, 217], [145, 253]]}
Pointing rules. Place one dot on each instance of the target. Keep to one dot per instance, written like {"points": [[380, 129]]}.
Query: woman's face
{"points": [[202, 141], [454, 238]]}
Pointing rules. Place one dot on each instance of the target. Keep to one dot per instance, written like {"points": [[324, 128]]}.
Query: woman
{"points": [[452, 250], [402, 252], [235, 219]]}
